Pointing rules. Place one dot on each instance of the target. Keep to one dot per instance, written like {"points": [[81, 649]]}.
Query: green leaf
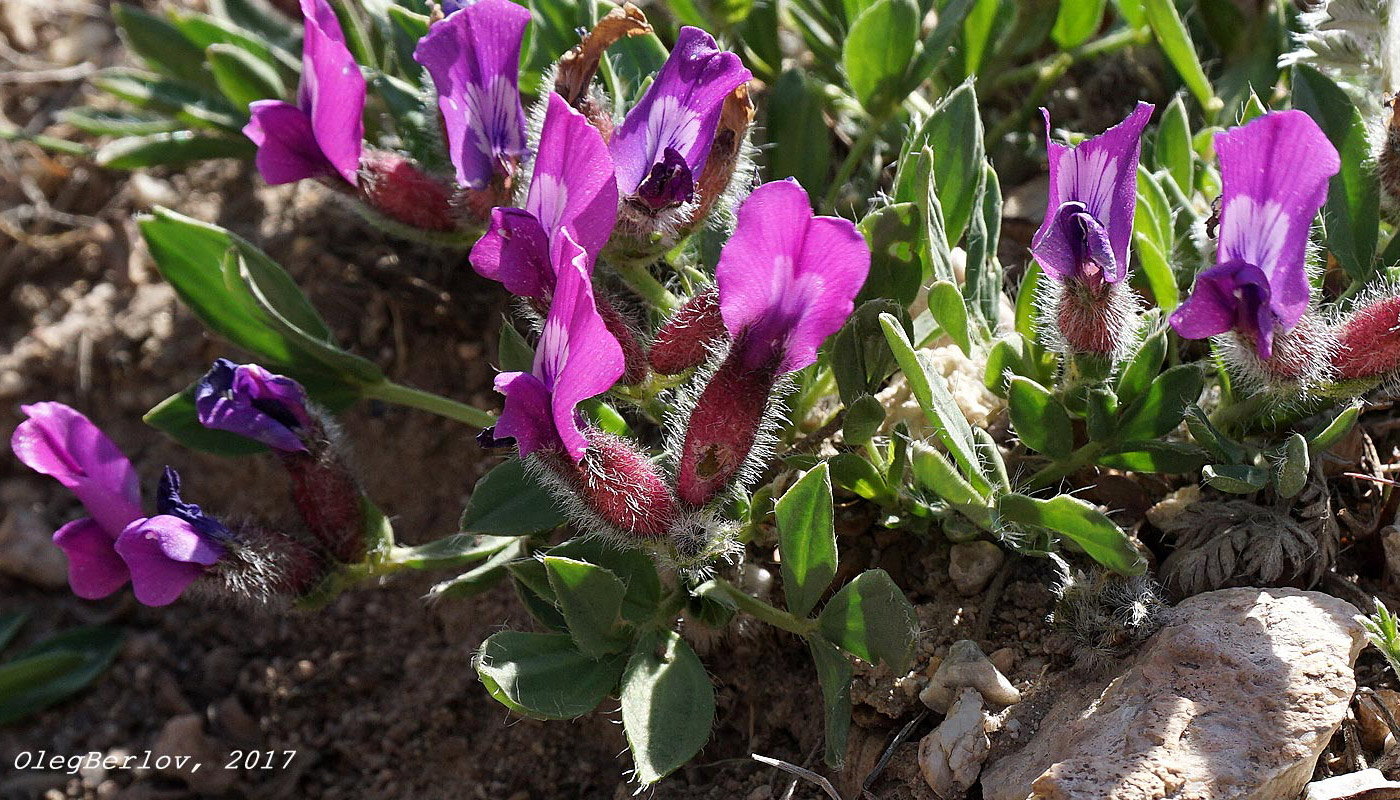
{"points": [[1353, 196], [169, 149], [945, 303], [798, 132], [1330, 432], [457, 550], [483, 577], [203, 108], [1040, 420], [631, 565], [896, 270], [1077, 21], [1253, 108], [668, 705], [101, 122], [1172, 150], [257, 16], [242, 77], [937, 46], [807, 540], [1210, 437], [1235, 478], [954, 133], [942, 412], [834, 673], [855, 474], [1081, 522], [983, 284], [877, 52], [54, 669], [1145, 364], [860, 357], [1292, 468], [1176, 42], [935, 473], [870, 618], [160, 44], [863, 420], [275, 51], [1160, 410], [176, 417], [1157, 270], [514, 353], [543, 675], [977, 33], [508, 501], [1006, 358], [1171, 458], [590, 598], [406, 28]]}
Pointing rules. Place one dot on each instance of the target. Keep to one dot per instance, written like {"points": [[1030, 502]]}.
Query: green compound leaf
{"points": [[543, 675], [508, 501]]}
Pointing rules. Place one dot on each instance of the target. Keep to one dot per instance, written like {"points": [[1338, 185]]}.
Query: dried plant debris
{"points": [[1102, 616]]}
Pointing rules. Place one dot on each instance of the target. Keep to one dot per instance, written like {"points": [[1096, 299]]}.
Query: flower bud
{"points": [[725, 424], [269, 566], [1368, 340], [634, 355], [683, 342], [327, 495], [392, 185], [1097, 318], [613, 487]]}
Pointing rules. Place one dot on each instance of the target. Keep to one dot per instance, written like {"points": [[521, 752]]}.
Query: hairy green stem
{"points": [[1053, 473], [763, 612], [398, 394], [640, 280]]}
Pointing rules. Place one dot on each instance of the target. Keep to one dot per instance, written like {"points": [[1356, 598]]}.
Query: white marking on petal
{"points": [[1254, 232]]}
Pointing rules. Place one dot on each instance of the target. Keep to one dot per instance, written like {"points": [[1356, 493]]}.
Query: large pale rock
{"points": [[1233, 700]]}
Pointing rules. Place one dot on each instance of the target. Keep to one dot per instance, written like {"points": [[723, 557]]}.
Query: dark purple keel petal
{"points": [[680, 110], [60, 442], [1274, 174], [165, 555], [94, 568], [515, 252], [787, 280], [1228, 297], [1101, 173], [669, 184], [332, 91], [287, 146], [250, 401], [1076, 247], [473, 56], [169, 502]]}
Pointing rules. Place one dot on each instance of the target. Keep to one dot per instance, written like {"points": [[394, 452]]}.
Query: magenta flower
{"points": [[787, 280], [572, 191], [577, 358], [321, 135], [1093, 192], [1274, 173], [250, 401], [160, 555], [661, 147], [473, 56]]}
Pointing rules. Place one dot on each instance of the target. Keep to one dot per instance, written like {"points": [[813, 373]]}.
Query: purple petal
{"points": [[94, 568], [250, 401], [169, 502], [526, 417], [1228, 297], [573, 187], [1274, 173], [62, 443], [1075, 246], [332, 89], [165, 555], [787, 280], [668, 184], [577, 357], [679, 111], [515, 252], [474, 59], [1101, 173], [287, 147]]}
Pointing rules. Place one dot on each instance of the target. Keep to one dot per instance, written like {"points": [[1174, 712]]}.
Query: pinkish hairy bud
{"points": [[326, 493], [633, 354], [1301, 357], [268, 565], [723, 428], [683, 343], [1094, 318], [1368, 340], [615, 485], [393, 186]]}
